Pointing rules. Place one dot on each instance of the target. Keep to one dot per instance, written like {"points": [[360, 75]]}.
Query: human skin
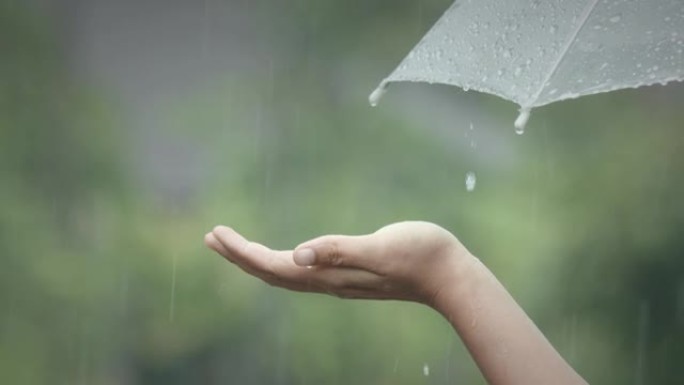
{"points": [[419, 262]]}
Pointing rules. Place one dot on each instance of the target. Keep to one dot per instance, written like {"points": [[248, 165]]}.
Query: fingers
{"points": [[254, 258], [278, 268], [339, 251], [213, 243]]}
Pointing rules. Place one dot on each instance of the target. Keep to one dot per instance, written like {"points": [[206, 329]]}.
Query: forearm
{"points": [[506, 345]]}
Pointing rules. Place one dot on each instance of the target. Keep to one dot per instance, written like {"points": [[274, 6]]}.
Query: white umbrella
{"points": [[535, 52]]}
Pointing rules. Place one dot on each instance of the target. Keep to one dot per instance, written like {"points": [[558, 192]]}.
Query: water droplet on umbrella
{"points": [[615, 19], [375, 96], [521, 121], [470, 181]]}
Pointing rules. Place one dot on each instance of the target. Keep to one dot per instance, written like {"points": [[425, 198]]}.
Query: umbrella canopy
{"points": [[535, 52]]}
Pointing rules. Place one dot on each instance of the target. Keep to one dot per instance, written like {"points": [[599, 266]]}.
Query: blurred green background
{"points": [[128, 129]]}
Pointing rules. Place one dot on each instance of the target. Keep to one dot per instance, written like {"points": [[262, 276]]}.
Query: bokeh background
{"points": [[130, 128]]}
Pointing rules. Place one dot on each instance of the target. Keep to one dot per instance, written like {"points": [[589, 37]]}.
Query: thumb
{"points": [[336, 250]]}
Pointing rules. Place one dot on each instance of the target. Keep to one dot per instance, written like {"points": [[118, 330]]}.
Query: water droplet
{"points": [[518, 71], [375, 96], [426, 370], [172, 305], [553, 28], [521, 121], [642, 340], [470, 181], [615, 19]]}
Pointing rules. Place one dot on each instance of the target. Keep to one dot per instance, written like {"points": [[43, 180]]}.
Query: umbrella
{"points": [[535, 52]]}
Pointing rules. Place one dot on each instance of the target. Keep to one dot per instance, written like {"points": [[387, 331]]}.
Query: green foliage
{"points": [[104, 278]]}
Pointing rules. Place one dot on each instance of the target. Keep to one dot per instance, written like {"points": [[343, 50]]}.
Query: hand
{"points": [[405, 261], [416, 261]]}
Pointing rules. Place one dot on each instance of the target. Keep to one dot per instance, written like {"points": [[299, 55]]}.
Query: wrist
{"points": [[462, 276]]}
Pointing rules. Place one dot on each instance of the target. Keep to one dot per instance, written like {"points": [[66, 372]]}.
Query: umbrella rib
{"points": [[585, 16]]}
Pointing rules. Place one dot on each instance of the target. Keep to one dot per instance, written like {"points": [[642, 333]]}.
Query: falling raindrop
{"points": [[172, 302], [471, 129], [470, 181], [642, 341], [426, 370], [123, 294], [521, 121], [680, 302], [206, 30]]}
